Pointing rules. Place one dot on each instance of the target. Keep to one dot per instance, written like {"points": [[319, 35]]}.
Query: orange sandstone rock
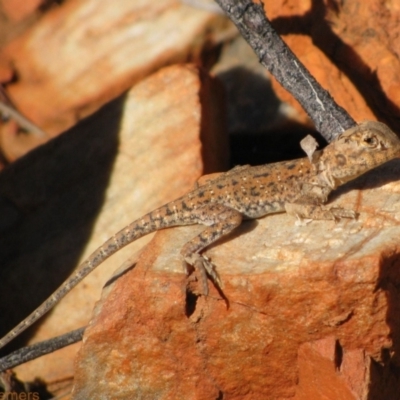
{"points": [[352, 47], [69, 196], [82, 54], [16, 10], [287, 288]]}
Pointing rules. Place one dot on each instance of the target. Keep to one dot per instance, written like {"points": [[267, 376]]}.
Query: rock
{"points": [[17, 10], [85, 65], [252, 106], [328, 75], [287, 287], [262, 128], [355, 59], [66, 198], [321, 374], [311, 311], [326, 371]]}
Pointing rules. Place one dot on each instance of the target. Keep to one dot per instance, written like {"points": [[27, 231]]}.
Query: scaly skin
{"points": [[298, 187]]}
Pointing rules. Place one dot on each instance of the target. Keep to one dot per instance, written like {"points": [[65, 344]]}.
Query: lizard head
{"points": [[356, 151]]}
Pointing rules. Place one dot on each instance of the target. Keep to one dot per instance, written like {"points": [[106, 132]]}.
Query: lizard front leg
{"points": [[315, 211], [309, 204], [221, 220]]}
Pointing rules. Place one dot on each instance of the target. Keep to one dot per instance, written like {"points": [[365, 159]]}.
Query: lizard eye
{"points": [[371, 141]]}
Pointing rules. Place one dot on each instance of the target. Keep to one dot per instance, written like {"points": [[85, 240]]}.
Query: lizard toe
{"points": [[204, 267]]}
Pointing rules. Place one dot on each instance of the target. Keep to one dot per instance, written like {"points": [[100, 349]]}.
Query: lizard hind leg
{"points": [[220, 221]]}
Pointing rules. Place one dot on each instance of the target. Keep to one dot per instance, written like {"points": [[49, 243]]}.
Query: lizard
{"points": [[299, 187]]}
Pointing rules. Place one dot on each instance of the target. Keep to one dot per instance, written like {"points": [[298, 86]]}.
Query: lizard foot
{"points": [[338, 213], [204, 267], [316, 212]]}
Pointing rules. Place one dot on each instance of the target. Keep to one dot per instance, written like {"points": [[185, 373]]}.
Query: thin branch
{"points": [[23, 122], [329, 118], [9, 111], [37, 350]]}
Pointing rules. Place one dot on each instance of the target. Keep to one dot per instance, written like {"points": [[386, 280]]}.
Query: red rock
{"points": [[177, 105], [318, 375], [14, 143], [328, 75], [16, 10], [355, 59], [85, 64], [292, 293]]}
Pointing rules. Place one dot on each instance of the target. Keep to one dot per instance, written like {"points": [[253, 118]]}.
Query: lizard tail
{"points": [[158, 219]]}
